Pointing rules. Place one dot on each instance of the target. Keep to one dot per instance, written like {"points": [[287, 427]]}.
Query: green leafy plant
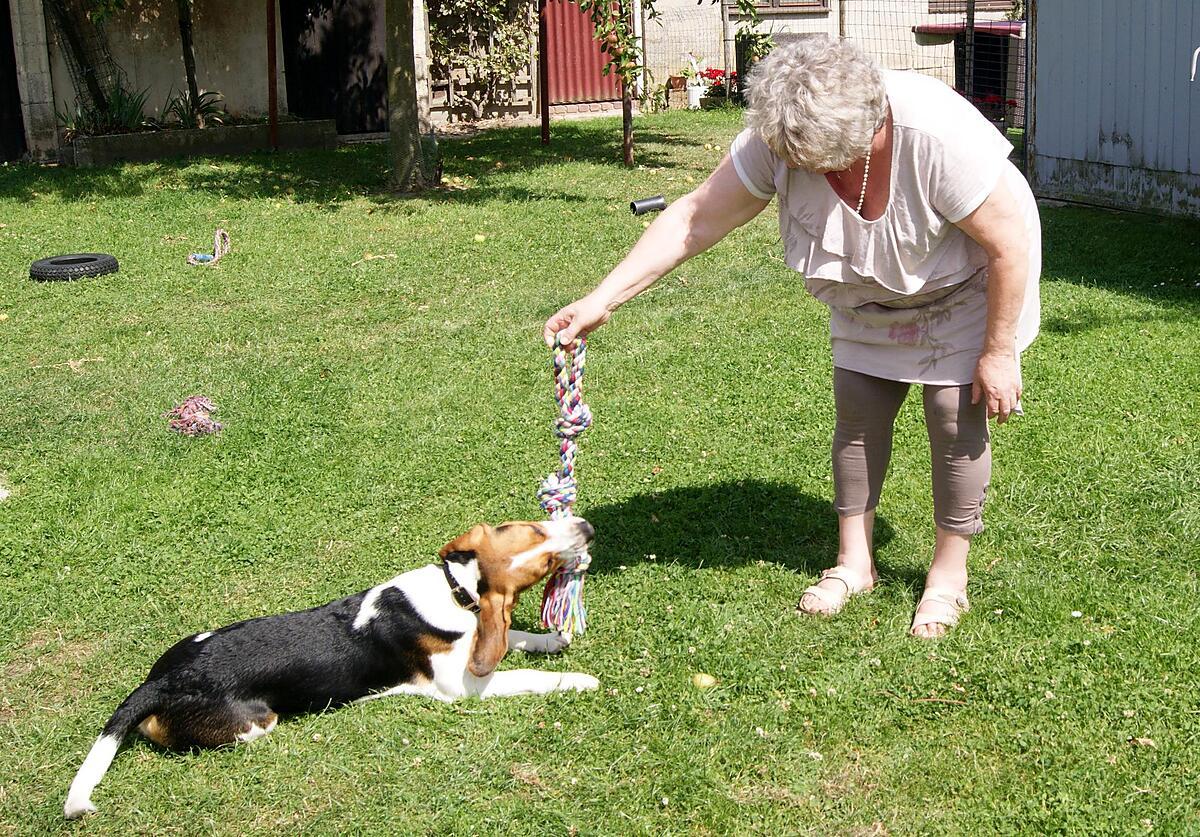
{"points": [[205, 109], [98, 11], [751, 43], [655, 98], [125, 114]]}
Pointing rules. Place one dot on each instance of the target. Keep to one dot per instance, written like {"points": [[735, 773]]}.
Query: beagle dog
{"points": [[438, 631]]}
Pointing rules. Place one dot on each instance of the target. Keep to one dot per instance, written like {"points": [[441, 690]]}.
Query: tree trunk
{"points": [[74, 39], [189, 56], [627, 125], [416, 164]]}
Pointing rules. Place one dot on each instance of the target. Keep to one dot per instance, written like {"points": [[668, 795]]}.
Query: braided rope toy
{"points": [[193, 417], [220, 248], [562, 602]]}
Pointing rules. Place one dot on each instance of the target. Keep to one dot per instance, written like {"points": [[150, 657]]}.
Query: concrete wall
{"points": [[231, 53], [231, 57]]}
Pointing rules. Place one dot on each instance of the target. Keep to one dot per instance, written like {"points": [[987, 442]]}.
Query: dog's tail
{"points": [[132, 711]]}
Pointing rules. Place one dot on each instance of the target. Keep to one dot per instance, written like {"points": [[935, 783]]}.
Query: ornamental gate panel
{"points": [[575, 61]]}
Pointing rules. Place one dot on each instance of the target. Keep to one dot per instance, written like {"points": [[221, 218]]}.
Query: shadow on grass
{"points": [[1129, 253], [331, 177], [725, 525], [1085, 320]]}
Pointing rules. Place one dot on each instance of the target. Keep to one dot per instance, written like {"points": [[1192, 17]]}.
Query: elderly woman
{"points": [[898, 205]]}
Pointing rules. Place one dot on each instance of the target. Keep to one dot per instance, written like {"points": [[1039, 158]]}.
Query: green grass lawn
{"points": [[374, 408]]}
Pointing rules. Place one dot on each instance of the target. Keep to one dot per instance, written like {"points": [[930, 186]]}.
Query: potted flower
{"points": [[696, 84], [721, 86]]}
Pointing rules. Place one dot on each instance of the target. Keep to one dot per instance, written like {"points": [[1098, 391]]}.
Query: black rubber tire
{"points": [[73, 266]]}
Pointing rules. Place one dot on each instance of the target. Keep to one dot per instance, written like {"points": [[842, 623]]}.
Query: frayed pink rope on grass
{"points": [[193, 417]]}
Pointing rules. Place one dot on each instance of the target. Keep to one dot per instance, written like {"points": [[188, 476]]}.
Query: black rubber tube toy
{"points": [[654, 204], [73, 266]]}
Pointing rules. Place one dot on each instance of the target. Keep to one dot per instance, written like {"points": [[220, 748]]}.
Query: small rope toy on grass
{"points": [[562, 603], [220, 248], [193, 417]]}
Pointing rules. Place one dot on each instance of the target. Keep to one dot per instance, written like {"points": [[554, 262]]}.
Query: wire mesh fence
{"points": [[681, 33], [976, 46]]}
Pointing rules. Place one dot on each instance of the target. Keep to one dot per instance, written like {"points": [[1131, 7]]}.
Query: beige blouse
{"points": [[907, 291]]}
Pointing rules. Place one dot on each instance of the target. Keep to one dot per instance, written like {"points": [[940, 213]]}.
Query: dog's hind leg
{"points": [[260, 725], [202, 723]]}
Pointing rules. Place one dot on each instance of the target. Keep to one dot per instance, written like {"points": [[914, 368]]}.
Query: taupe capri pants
{"points": [[958, 442]]}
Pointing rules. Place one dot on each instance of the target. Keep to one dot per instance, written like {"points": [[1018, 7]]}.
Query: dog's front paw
{"points": [[575, 681], [554, 642], [76, 808], [550, 643]]}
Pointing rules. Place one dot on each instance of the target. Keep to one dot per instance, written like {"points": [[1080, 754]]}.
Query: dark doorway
{"points": [[12, 125], [989, 82], [335, 61]]}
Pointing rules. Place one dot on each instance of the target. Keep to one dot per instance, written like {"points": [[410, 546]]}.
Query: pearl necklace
{"points": [[862, 195]]}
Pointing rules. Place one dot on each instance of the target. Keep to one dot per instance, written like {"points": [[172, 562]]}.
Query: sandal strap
{"points": [[853, 581], [830, 597], [955, 600], [834, 598]]}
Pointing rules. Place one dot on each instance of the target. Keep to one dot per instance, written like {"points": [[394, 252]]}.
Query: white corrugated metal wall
{"points": [[1117, 116]]}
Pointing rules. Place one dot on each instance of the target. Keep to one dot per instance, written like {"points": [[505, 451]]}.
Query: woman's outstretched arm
{"points": [[686, 228]]}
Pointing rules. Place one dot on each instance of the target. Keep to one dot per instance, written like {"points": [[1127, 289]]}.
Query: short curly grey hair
{"points": [[817, 102]]}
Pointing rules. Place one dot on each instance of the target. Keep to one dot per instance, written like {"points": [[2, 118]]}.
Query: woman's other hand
{"points": [[998, 382]]}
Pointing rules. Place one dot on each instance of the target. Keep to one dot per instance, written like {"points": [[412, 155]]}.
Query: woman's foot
{"points": [[945, 596], [829, 595], [854, 572], [939, 611]]}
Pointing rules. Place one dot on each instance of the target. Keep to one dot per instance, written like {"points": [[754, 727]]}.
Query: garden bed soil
{"points": [[217, 140]]}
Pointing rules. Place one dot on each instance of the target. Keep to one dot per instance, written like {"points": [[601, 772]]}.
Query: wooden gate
{"points": [[575, 62]]}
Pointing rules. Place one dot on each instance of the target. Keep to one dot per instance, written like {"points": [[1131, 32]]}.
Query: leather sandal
{"points": [[851, 580], [953, 604]]}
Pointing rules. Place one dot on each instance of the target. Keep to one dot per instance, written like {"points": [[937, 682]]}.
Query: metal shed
{"points": [[1116, 112]]}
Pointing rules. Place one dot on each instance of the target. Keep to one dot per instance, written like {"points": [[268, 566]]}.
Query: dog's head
{"points": [[512, 557]]}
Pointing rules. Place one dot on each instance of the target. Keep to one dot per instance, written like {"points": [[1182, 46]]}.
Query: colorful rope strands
{"points": [[193, 417], [562, 603]]}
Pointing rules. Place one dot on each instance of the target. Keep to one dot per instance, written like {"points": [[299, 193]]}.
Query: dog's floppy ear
{"points": [[491, 635], [465, 544]]}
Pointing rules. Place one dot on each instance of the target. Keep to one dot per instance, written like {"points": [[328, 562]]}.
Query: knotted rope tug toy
{"points": [[562, 602], [220, 248]]}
